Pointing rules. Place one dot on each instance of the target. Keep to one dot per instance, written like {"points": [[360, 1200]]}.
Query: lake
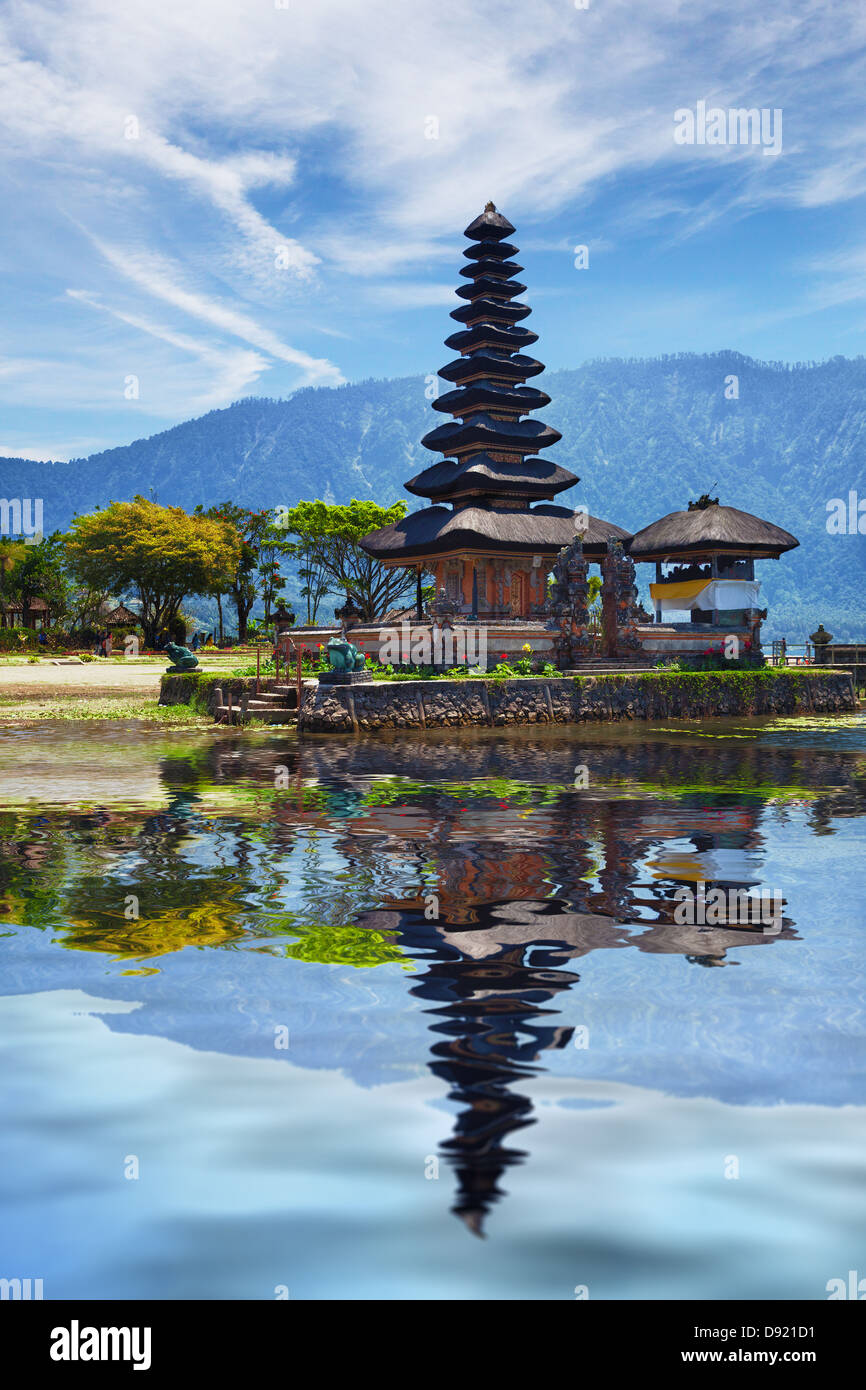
{"points": [[420, 1017]]}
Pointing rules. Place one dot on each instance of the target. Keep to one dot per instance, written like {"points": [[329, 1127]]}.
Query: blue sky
{"points": [[225, 199]]}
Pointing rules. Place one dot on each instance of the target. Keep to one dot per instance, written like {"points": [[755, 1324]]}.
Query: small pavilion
{"points": [[121, 616], [493, 532], [705, 566], [30, 612]]}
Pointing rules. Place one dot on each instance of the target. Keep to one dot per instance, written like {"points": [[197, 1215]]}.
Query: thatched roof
{"points": [[490, 250], [490, 335], [490, 225], [26, 605], [483, 283], [120, 615], [707, 529], [482, 431], [486, 309], [530, 478], [465, 399], [500, 369], [542, 530]]}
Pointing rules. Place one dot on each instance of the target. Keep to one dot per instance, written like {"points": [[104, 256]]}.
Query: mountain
{"points": [[644, 436]]}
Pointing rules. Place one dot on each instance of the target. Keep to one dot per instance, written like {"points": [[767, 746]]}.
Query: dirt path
{"points": [[91, 679]]}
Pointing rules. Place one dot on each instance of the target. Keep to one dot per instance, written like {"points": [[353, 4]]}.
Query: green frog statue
{"points": [[181, 657], [344, 655]]}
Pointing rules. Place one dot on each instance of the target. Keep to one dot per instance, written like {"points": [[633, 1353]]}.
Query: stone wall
{"points": [[661, 639], [384, 705]]}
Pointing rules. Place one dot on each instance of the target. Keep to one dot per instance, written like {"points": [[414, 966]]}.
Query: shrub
{"points": [[17, 639]]}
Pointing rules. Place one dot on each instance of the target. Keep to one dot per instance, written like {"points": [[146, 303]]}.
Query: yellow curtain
{"points": [[685, 588]]}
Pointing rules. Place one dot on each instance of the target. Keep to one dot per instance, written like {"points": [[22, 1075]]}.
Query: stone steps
{"points": [[264, 713], [607, 668], [284, 699], [278, 705]]}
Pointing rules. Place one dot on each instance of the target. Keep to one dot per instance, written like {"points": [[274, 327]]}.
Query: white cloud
{"points": [[305, 129], [39, 453], [156, 276], [234, 370], [404, 294]]}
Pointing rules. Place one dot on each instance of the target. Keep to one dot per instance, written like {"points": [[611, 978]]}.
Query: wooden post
{"points": [[299, 682], [277, 664], [258, 666]]}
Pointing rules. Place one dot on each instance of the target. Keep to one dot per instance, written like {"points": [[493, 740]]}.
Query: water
{"points": [[310, 1018]]}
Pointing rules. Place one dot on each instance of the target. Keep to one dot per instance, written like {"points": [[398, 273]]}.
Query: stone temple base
{"points": [[389, 706], [345, 677]]}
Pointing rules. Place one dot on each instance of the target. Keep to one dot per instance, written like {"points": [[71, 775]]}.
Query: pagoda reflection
{"points": [[510, 900]]}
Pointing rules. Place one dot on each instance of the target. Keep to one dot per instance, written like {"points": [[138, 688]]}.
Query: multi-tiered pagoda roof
{"points": [[492, 493]]}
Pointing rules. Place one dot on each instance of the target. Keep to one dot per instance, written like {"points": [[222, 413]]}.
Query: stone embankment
{"points": [[384, 706]]}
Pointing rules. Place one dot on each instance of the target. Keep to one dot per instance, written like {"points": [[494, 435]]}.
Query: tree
{"points": [[274, 547], [241, 582], [12, 555], [41, 575], [162, 553], [329, 539]]}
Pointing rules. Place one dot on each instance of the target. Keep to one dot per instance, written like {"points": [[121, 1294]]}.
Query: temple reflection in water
{"points": [[497, 953], [482, 864]]}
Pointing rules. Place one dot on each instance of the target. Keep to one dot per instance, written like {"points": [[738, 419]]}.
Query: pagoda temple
{"points": [[492, 533]]}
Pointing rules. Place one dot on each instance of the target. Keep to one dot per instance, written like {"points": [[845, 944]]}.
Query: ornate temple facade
{"points": [[493, 531]]}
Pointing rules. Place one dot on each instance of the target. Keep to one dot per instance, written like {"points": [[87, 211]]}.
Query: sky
{"points": [[211, 199]]}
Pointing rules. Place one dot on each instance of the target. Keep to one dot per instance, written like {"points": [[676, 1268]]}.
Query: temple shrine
{"points": [[705, 565], [492, 534], [503, 553]]}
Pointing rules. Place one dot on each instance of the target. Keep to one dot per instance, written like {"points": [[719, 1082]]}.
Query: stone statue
{"points": [[822, 639], [756, 651], [443, 609], [344, 655], [182, 659]]}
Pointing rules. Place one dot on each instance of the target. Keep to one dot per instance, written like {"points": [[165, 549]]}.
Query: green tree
{"points": [[161, 553], [329, 538], [41, 574], [12, 555], [241, 581], [275, 547]]}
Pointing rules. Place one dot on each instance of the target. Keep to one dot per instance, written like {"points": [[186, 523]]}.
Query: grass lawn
{"points": [[116, 688]]}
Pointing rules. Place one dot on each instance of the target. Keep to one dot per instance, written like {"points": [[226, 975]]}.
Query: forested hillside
{"points": [[644, 437]]}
